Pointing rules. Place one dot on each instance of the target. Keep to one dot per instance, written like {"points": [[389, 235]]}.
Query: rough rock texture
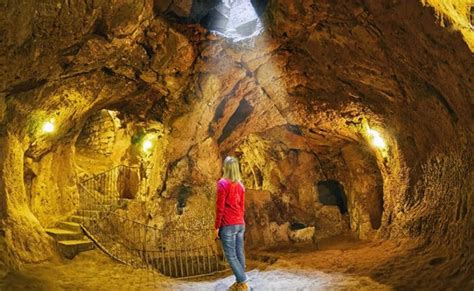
{"points": [[330, 222], [22, 233], [294, 105], [302, 235], [98, 134]]}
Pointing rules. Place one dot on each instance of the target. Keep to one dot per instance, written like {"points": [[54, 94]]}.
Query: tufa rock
{"points": [[302, 235]]}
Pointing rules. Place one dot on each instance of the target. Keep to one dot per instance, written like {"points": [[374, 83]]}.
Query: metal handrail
{"points": [[113, 184], [81, 186], [152, 247], [93, 176], [167, 250]]}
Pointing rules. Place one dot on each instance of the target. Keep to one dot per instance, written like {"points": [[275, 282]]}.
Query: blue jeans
{"points": [[232, 239]]}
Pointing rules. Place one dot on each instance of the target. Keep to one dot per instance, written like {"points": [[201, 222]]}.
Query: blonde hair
{"points": [[231, 169]]}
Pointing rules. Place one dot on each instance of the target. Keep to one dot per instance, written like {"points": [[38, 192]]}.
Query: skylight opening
{"points": [[235, 19]]}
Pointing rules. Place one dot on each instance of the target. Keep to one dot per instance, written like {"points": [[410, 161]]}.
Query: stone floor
{"points": [[93, 271], [335, 265]]}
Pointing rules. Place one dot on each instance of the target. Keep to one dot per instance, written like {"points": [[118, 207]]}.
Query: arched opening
{"points": [[364, 185], [331, 192], [101, 142], [235, 19], [183, 195], [471, 16], [99, 133], [114, 153]]}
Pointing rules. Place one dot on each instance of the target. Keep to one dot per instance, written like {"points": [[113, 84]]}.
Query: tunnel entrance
{"points": [[471, 16], [331, 192], [113, 154], [98, 134]]}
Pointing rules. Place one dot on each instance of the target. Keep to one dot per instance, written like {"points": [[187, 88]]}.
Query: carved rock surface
{"points": [[302, 235], [294, 104]]}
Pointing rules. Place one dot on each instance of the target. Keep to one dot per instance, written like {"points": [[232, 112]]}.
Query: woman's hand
{"points": [[216, 234]]}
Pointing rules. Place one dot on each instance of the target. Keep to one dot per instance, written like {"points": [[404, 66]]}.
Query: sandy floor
{"points": [[340, 264]]}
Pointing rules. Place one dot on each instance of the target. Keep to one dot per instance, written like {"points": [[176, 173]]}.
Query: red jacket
{"points": [[230, 203]]}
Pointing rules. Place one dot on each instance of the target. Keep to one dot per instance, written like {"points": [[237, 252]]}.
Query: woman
{"points": [[230, 225]]}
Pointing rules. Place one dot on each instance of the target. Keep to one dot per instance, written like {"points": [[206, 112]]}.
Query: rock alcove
{"points": [[352, 123]]}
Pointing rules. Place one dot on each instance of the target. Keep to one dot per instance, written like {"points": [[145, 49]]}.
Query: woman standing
{"points": [[230, 225]]}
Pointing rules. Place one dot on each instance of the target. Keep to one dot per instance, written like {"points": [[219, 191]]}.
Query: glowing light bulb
{"points": [[376, 139], [48, 127], [147, 145], [379, 142]]}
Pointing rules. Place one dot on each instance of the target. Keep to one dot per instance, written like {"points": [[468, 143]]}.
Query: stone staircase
{"points": [[69, 235]]}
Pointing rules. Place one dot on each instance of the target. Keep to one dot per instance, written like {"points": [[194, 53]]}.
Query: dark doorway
{"points": [[331, 192], [471, 16], [183, 195]]}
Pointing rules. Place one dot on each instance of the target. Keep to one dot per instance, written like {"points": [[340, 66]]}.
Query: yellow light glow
{"points": [[376, 139], [147, 145], [48, 127]]}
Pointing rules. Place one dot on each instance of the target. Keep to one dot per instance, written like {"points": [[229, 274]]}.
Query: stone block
{"points": [[302, 235], [279, 232], [330, 222], [70, 248]]}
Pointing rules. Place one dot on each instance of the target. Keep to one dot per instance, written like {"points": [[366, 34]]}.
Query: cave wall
{"points": [[326, 71], [51, 185], [110, 145], [432, 98], [47, 165], [364, 186], [22, 235], [98, 134]]}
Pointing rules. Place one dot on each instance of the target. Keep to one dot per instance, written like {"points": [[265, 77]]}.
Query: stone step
{"points": [[64, 234], [70, 248], [90, 213], [79, 219], [69, 226]]}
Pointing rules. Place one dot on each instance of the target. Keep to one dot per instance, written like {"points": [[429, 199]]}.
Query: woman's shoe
{"points": [[234, 287], [242, 287], [239, 287]]}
